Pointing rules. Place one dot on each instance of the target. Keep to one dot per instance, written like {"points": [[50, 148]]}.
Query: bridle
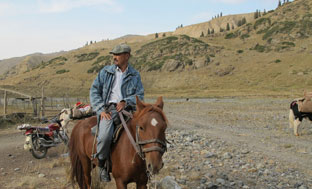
{"points": [[139, 144]]}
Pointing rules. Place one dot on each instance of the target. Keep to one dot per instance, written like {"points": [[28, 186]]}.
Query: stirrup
{"points": [[104, 175]]}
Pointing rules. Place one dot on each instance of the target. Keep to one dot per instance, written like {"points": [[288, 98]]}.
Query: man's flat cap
{"points": [[122, 48]]}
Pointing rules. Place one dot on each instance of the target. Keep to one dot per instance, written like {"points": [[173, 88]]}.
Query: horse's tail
{"points": [[76, 164]]}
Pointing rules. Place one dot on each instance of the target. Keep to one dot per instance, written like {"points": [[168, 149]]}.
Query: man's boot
{"points": [[104, 175]]}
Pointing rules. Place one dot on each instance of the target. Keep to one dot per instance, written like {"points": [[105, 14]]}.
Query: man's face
{"points": [[121, 59]]}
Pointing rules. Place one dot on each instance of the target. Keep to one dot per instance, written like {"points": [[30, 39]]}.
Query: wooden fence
{"points": [[38, 106]]}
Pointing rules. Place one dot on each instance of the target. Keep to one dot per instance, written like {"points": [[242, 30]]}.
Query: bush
{"points": [[259, 48], [262, 21], [56, 61], [86, 57], [189, 62], [239, 51], [155, 66], [230, 36], [185, 37], [306, 27], [95, 69], [207, 59], [270, 32], [277, 61], [287, 43], [61, 71], [281, 27], [269, 40], [60, 58], [244, 36], [101, 59]]}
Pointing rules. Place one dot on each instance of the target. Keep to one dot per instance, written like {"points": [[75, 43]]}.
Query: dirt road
{"points": [[225, 143]]}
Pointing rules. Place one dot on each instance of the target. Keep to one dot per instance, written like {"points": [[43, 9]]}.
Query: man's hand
{"points": [[106, 116], [120, 106]]}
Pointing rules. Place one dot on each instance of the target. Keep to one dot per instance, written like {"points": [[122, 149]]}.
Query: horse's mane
{"points": [[149, 108]]}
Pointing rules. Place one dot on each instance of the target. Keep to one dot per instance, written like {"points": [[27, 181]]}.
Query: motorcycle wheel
{"points": [[38, 151]]}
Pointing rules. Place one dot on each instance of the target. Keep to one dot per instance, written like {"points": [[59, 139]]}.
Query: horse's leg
{"points": [[86, 165], [141, 185], [291, 118], [120, 184], [296, 125]]}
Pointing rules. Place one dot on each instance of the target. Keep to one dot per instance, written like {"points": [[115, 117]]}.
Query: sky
{"points": [[46, 26]]}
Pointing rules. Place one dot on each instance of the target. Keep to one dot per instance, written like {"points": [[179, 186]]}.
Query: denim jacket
{"points": [[102, 87]]}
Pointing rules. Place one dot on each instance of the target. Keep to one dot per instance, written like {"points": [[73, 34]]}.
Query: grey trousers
{"points": [[105, 135]]}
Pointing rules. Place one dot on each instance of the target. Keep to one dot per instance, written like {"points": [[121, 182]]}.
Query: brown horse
{"points": [[147, 127]]}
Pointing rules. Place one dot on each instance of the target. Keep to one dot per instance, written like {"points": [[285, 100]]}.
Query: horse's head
{"points": [[151, 125], [65, 116]]}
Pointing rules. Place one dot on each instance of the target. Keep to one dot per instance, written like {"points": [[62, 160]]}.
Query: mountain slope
{"points": [[267, 56], [217, 23], [13, 66]]}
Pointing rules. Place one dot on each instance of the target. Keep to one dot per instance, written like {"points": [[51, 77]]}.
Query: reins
{"points": [[124, 124], [138, 144]]}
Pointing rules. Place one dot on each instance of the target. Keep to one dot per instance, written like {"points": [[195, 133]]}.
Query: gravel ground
{"points": [[215, 143]]}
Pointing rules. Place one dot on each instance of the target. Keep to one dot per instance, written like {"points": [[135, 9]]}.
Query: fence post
{"points": [[5, 104], [51, 103], [42, 103], [34, 106]]}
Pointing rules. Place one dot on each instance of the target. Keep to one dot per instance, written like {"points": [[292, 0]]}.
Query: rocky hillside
{"points": [[269, 55], [175, 53], [280, 29]]}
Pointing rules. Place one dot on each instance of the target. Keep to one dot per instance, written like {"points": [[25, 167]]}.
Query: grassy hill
{"points": [[270, 55], [13, 66]]}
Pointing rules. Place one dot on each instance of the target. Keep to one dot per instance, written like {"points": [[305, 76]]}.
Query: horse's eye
{"points": [[141, 128]]}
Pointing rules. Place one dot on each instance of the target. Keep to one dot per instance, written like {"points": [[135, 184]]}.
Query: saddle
{"points": [[117, 132], [118, 128]]}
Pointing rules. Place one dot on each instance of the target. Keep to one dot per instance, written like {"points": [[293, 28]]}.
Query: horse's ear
{"points": [[139, 104], [159, 102]]}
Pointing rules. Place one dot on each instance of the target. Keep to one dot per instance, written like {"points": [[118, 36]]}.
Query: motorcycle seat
{"points": [[43, 129]]}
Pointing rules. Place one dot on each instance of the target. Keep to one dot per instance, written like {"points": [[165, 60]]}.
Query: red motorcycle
{"points": [[40, 139]]}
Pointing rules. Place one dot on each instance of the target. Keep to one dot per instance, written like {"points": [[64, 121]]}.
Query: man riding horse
{"points": [[114, 89]]}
